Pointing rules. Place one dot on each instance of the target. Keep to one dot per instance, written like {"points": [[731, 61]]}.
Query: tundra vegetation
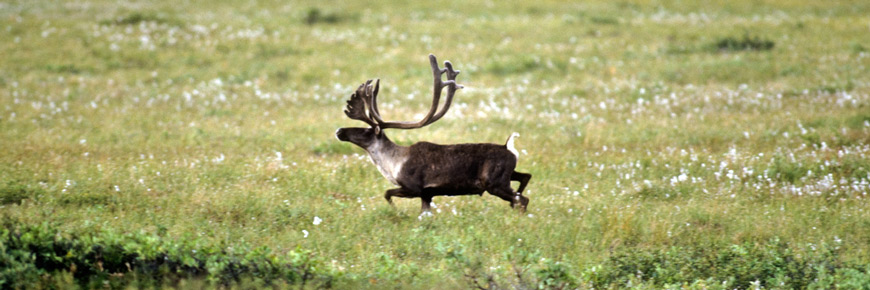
{"points": [[674, 144]]}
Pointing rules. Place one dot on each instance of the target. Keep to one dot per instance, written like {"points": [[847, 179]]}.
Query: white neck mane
{"points": [[388, 160]]}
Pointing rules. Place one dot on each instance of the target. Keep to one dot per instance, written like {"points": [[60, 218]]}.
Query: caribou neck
{"points": [[388, 157]]}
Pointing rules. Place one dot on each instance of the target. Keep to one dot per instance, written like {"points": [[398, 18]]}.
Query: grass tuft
{"points": [[314, 16], [15, 193], [745, 43], [138, 17]]}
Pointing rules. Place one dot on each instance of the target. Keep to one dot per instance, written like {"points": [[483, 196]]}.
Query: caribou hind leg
{"points": [[506, 193], [523, 178]]}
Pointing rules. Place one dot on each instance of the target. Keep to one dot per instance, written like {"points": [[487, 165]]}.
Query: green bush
{"points": [[747, 42], [138, 17], [769, 264], [15, 193], [36, 254], [314, 16]]}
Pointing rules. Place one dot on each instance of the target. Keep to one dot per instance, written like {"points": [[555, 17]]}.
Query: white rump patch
{"points": [[510, 144]]}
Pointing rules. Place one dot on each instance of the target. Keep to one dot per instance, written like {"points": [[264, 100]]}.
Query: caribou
{"points": [[424, 170]]}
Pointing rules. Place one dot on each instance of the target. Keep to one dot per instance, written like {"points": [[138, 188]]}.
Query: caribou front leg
{"points": [[399, 192], [426, 205]]}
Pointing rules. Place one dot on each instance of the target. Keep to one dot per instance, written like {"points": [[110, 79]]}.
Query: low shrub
{"points": [[38, 254], [15, 193], [747, 42], [138, 17], [770, 264], [314, 16]]}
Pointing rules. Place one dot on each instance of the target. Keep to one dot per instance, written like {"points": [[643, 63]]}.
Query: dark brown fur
{"points": [[460, 169]]}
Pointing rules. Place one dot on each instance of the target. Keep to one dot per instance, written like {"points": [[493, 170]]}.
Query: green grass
{"points": [[672, 144]]}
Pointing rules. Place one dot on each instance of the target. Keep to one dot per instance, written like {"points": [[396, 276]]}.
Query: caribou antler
{"points": [[430, 117], [356, 105]]}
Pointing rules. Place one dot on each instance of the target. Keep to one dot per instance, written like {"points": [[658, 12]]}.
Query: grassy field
{"points": [[673, 144]]}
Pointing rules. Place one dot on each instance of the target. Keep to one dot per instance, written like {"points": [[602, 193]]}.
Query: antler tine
{"points": [[452, 86], [438, 86], [372, 98]]}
